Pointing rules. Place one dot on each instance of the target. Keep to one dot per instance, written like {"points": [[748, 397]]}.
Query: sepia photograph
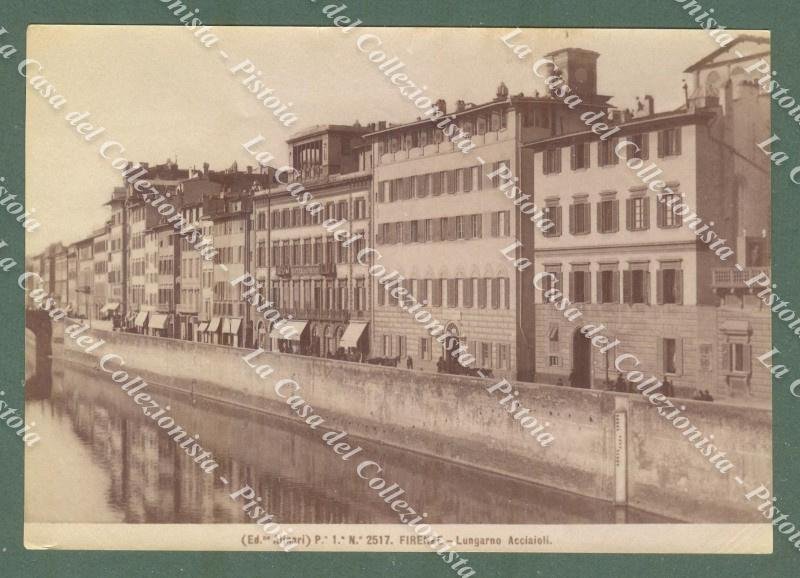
{"points": [[398, 289]]}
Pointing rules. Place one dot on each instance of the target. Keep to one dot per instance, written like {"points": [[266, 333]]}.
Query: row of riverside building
{"points": [[442, 218]]}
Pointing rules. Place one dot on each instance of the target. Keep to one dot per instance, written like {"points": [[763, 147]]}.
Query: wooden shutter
{"points": [[660, 355], [679, 356], [478, 225], [678, 141], [644, 153], [661, 136], [646, 287], [407, 232], [645, 213], [614, 216], [659, 287], [661, 215], [467, 224], [572, 286], [628, 214], [598, 278], [627, 286], [478, 184], [572, 219], [679, 287], [558, 221], [495, 224], [615, 287], [747, 354], [600, 228]]}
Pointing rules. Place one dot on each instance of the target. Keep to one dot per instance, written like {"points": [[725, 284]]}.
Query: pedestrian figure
{"points": [[409, 363]]}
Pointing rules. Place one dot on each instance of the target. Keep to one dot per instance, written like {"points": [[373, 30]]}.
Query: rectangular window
{"points": [[452, 181], [640, 149], [422, 291], [636, 285], [670, 354], [580, 218], [637, 214], [482, 290], [437, 292], [466, 179], [452, 292], [437, 183], [579, 286], [502, 356], [607, 216], [579, 156], [551, 160], [608, 285], [496, 293], [669, 285], [552, 214], [669, 142], [606, 155], [667, 219], [469, 285], [422, 185], [425, 352]]}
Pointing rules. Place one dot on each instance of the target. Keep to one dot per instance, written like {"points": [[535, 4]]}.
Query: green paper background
{"points": [[779, 16]]}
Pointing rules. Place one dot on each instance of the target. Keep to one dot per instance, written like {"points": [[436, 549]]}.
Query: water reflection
{"points": [[113, 464]]}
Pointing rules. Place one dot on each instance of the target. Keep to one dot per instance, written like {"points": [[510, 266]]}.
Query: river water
{"points": [[101, 460]]}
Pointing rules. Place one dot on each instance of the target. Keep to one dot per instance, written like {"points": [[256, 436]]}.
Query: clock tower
{"points": [[578, 68]]}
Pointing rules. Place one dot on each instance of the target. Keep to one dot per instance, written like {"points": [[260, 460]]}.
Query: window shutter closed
{"points": [[479, 177], [572, 219], [659, 355], [614, 216], [678, 141], [747, 353], [615, 287], [659, 288], [679, 356], [627, 295], [679, 287], [661, 136], [646, 288], [558, 221], [660, 215], [572, 286], [468, 220], [495, 224], [600, 228], [628, 214], [645, 213], [598, 281]]}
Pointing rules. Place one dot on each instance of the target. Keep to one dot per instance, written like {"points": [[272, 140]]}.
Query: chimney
{"points": [[382, 125], [460, 105], [651, 108], [249, 169], [441, 104], [205, 169]]}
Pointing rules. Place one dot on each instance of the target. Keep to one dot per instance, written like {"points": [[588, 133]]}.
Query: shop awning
{"points": [[141, 319], [213, 325], [158, 321], [352, 334], [236, 322], [112, 306], [285, 330], [202, 327]]}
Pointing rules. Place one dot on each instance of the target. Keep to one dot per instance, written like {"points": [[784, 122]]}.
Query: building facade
{"points": [[650, 276]]}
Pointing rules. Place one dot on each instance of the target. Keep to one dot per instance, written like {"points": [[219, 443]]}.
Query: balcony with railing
{"points": [[732, 279]]}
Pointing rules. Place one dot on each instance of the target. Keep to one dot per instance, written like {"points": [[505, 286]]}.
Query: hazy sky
{"points": [[162, 94]]}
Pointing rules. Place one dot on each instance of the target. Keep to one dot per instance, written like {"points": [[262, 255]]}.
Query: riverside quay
{"points": [[184, 259]]}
